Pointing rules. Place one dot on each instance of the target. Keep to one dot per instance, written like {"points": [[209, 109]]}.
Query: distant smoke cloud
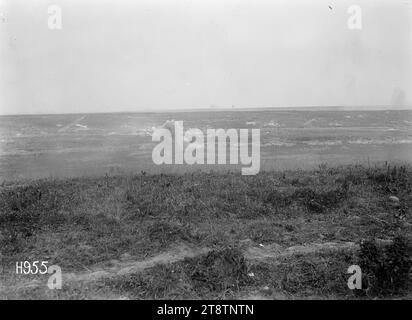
{"points": [[398, 97]]}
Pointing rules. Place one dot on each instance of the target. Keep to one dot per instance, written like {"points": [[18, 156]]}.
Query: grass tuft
{"points": [[385, 270]]}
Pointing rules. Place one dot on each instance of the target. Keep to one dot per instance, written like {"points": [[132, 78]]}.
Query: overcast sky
{"points": [[176, 54]]}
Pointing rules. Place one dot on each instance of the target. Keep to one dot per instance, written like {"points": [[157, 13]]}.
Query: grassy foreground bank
{"points": [[83, 222]]}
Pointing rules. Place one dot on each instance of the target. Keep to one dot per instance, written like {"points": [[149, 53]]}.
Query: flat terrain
{"points": [[80, 145], [276, 235]]}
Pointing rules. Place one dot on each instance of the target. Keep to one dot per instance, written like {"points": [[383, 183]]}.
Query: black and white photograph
{"points": [[205, 150]]}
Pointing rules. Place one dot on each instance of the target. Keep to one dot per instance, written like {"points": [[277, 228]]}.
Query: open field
{"points": [[84, 145], [289, 234]]}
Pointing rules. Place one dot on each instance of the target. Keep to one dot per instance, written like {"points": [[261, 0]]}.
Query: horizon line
{"points": [[233, 108]]}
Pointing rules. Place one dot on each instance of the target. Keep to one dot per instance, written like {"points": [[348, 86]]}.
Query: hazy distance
{"points": [[185, 54]]}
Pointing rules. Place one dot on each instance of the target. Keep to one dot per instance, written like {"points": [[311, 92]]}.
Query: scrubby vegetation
{"points": [[217, 273], [76, 223], [386, 271]]}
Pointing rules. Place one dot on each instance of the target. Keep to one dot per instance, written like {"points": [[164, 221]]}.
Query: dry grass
{"points": [[76, 223]]}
